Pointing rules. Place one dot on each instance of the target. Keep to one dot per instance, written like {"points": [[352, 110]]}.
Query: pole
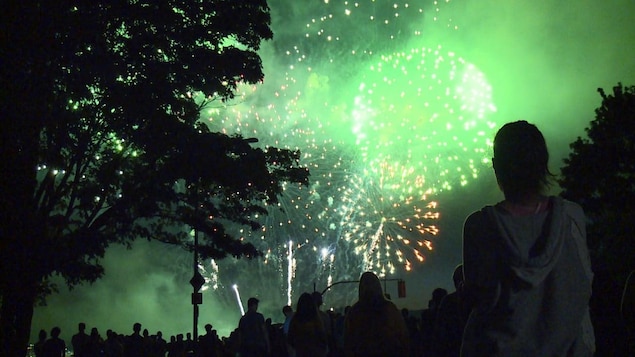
{"points": [[197, 280], [195, 306], [351, 282]]}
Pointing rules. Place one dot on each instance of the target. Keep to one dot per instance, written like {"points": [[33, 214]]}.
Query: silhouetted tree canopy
{"points": [[600, 175], [101, 140]]}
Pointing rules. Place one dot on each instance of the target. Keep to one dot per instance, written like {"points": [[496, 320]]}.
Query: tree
{"points": [[599, 173], [101, 140]]}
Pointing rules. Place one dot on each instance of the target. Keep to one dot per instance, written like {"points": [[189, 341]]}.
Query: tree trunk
{"points": [[16, 317]]}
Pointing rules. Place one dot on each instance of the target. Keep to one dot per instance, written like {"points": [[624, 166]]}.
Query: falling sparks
{"points": [[240, 302]]}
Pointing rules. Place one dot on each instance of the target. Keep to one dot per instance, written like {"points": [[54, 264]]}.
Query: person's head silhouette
{"points": [[521, 160]]}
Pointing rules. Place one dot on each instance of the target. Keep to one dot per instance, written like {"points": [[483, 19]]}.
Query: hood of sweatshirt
{"points": [[532, 243]]}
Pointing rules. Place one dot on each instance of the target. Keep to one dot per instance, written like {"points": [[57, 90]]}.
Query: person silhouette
{"points": [[134, 343], [428, 321], [95, 345], [39, 345], [54, 346], [526, 262], [450, 321], [79, 341], [374, 326], [307, 334], [324, 316], [287, 311], [207, 342], [254, 339]]}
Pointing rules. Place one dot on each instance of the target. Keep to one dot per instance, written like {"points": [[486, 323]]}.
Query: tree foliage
{"points": [[102, 141], [600, 175]]}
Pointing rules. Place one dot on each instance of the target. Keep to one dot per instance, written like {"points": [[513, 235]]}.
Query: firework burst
{"points": [[429, 108], [386, 216], [383, 122]]}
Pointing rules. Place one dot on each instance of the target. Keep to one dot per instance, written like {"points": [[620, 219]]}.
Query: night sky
{"points": [[394, 106]]}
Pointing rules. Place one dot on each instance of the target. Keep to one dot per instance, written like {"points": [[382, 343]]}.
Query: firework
{"points": [[240, 302], [385, 120], [290, 272], [430, 108], [303, 213], [386, 216]]}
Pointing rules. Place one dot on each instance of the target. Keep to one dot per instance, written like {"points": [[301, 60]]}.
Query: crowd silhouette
{"points": [[373, 326], [433, 332]]}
